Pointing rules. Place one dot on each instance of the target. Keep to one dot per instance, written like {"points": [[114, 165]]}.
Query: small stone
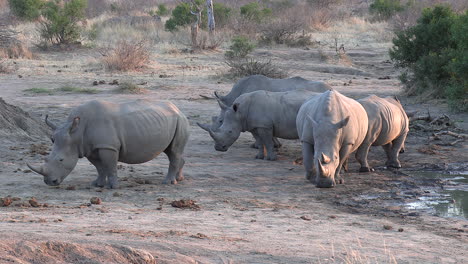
{"points": [[332, 216], [95, 83], [4, 202], [130, 217], [96, 200], [33, 202], [116, 194], [305, 218], [20, 76], [387, 227], [59, 70], [102, 82], [400, 230]]}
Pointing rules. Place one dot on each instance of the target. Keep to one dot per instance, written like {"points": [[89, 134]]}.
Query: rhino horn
{"points": [[50, 124], [39, 170], [204, 126], [325, 158], [321, 168], [222, 105], [218, 96]]}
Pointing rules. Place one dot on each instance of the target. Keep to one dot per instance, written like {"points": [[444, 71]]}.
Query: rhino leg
{"points": [[277, 143], [361, 157], [344, 155], [101, 179], [308, 161], [260, 154], [266, 136], [394, 151], [256, 144], [174, 153], [107, 167]]}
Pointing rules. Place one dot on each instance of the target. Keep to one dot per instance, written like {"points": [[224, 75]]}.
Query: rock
{"points": [[34, 203], [387, 227], [95, 83], [102, 82], [400, 230], [96, 200], [4, 202], [114, 82], [306, 218]]}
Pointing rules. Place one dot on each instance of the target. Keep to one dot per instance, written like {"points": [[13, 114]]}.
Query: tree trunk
{"points": [[194, 30], [211, 21]]}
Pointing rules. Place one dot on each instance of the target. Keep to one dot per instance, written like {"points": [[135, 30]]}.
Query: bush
{"points": [[126, 56], [61, 24], [181, 16], [434, 55], [162, 10], [385, 9], [251, 66], [240, 48], [26, 9], [222, 14], [280, 31], [254, 12]]}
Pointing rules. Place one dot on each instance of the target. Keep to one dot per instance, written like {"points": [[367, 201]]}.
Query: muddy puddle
{"points": [[449, 199]]}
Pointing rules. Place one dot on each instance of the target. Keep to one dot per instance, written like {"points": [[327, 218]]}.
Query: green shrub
{"points": [[61, 24], [385, 9], [181, 16], [26, 9], [240, 48], [162, 10], [254, 12], [222, 14], [434, 55]]}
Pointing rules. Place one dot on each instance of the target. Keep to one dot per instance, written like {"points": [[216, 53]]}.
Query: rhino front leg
{"points": [[308, 161], [277, 143], [108, 159], [101, 179], [344, 155], [266, 136]]}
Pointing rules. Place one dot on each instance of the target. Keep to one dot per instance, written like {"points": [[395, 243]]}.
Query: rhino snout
{"points": [[52, 182], [325, 183], [221, 148]]}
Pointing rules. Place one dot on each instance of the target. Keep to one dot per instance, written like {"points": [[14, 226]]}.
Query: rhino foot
{"points": [[167, 181], [366, 169], [98, 183], [260, 156], [180, 178], [254, 145], [339, 180], [272, 157], [393, 164]]}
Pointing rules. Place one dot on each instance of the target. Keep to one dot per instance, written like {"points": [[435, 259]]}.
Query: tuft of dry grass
{"points": [[130, 88], [126, 56], [15, 51]]}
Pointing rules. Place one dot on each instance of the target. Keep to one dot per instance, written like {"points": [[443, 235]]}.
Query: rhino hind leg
{"points": [[361, 157], [256, 144], [174, 152], [393, 151]]}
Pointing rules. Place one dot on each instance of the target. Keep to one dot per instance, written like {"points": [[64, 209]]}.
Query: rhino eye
{"points": [[60, 160]]}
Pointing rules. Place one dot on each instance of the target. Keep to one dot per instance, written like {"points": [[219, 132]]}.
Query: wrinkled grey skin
{"points": [[105, 133], [265, 114], [330, 127], [262, 83], [388, 127]]}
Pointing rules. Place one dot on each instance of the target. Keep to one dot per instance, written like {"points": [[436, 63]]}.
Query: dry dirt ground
{"points": [[249, 211]]}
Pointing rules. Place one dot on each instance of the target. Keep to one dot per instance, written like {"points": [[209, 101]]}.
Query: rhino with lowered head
{"points": [[257, 83], [105, 133], [388, 127], [264, 114], [330, 127]]}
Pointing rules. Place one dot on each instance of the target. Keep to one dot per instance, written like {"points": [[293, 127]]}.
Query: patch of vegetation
{"points": [[61, 24], [251, 66], [254, 12], [37, 90], [240, 48], [434, 56], [162, 10], [73, 89], [128, 87], [126, 56], [26, 9], [385, 9], [222, 14]]}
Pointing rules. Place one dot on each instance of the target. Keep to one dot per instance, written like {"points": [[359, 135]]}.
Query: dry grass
{"points": [[16, 51], [130, 88], [126, 56]]}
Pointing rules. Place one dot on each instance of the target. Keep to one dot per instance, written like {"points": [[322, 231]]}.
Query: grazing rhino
{"points": [[388, 127], [330, 127], [262, 83], [264, 114], [105, 133]]}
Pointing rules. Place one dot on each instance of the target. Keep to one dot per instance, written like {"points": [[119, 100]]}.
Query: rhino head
{"points": [[217, 121], [327, 151], [65, 153], [229, 131]]}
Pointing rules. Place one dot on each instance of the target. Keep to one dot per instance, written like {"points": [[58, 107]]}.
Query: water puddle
{"points": [[449, 199]]}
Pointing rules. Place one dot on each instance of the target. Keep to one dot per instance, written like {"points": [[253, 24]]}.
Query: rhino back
{"points": [[138, 130], [259, 82], [387, 119]]}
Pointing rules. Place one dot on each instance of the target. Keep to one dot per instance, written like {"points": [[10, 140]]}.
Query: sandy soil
{"points": [[250, 211]]}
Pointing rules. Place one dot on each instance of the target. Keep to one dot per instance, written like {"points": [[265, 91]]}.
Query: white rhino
{"points": [[105, 133], [265, 115], [262, 83], [388, 127], [330, 127]]}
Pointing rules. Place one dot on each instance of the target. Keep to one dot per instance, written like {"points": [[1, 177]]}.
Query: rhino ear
{"points": [[74, 126], [342, 123], [235, 107], [396, 98]]}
